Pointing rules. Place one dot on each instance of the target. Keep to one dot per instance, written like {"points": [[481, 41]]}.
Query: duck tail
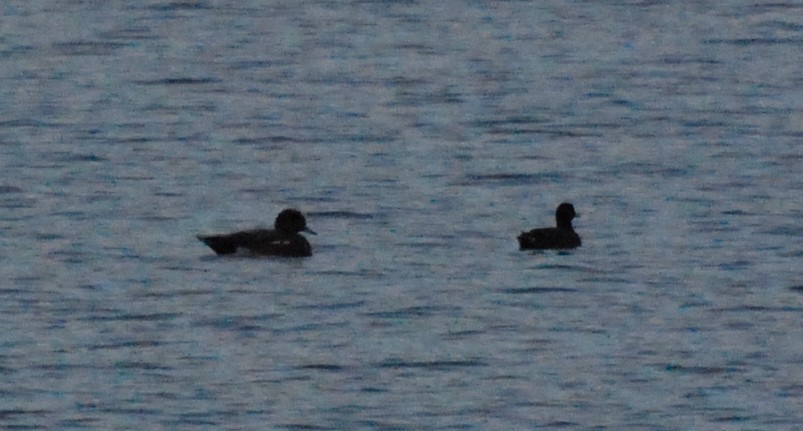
{"points": [[221, 244]]}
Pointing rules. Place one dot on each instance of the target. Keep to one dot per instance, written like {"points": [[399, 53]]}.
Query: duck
{"points": [[283, 240], [561, 237]]}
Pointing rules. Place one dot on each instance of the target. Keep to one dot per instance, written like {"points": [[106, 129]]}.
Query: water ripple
{"points": [[531, 290], [431, 365]]}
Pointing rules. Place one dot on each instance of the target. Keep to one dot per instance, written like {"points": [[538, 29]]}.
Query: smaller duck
{"points": [[283, 240], [561, 237]]}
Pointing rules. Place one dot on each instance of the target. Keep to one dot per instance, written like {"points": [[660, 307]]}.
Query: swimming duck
{"points": [[283, 240], [561, 237]]}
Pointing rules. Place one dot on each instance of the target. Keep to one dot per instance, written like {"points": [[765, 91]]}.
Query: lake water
{"points": [[419, 138]]}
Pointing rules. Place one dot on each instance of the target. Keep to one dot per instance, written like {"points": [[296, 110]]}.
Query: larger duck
{"points": [[561, 237], [283, 240]]}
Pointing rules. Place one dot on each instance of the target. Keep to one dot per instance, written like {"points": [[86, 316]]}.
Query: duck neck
{"points": [[565, 224]]}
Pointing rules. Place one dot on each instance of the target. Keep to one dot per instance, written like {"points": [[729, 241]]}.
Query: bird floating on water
{"points": [[283, 240], [561, 237]]}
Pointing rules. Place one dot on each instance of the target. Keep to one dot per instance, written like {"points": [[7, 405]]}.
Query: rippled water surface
{"points": [[419, 139]]}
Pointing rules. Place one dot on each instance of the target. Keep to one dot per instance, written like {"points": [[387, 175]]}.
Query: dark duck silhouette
{"points": [[283, 240], [561, 237]]}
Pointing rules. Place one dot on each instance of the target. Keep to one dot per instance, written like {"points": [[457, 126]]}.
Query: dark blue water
{"points": [[419, 139]]}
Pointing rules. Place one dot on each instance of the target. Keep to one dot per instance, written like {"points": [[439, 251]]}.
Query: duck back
{"points": [[263, 242], [549, 238]]}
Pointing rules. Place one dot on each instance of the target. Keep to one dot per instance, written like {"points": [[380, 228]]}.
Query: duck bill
{"points": [[309, 231]]}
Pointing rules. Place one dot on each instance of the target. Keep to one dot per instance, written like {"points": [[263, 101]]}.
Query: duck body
{"points": [[561, 237], [549, 238], [284, 240], [264, 242]]}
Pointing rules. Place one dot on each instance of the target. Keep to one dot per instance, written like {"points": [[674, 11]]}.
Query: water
{"points": [[420, 139]]}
